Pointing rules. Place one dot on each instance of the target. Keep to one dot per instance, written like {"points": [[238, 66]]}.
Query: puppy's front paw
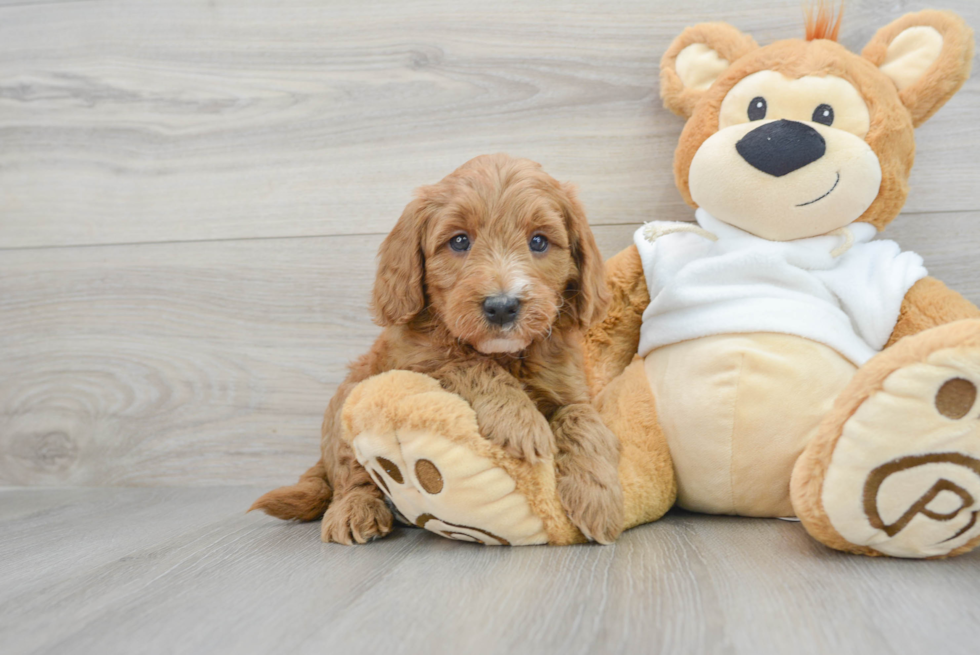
{"points": [[523, 434], [593, 500], [355, 518]]}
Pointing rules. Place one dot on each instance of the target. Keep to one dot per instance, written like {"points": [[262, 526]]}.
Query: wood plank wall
{"points": [[192, 193]]}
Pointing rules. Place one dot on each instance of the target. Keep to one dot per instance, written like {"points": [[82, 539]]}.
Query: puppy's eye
{"points": [[460, 243], [824, 114], [757, 108], [538, 243]]}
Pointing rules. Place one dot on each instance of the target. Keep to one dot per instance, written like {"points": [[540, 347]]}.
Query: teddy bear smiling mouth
{"points": [[754, 377], [836, 182]]}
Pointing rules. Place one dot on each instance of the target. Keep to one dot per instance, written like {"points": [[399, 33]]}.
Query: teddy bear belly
{"points": [[737, 410]]}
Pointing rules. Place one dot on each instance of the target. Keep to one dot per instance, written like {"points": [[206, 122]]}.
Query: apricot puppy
{"points": [[487, 283]]}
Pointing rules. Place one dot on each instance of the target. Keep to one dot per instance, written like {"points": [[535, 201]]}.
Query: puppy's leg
{"points": [[504, 412], [358, 512], [588, 472]]}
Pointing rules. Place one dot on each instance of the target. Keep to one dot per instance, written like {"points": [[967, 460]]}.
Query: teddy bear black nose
{"points": [[501, 310], [781, 147]]}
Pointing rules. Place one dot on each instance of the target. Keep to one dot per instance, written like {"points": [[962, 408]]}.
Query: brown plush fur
{"points": [[893, 113], [371, 403], [928, 304], [811, 468], [890, 135], [932, 316], [728, 42], [646, 470], [533, 401], [947, 75], [611, 344], [823, 21]]}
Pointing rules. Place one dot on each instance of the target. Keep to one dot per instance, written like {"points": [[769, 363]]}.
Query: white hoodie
{"points": [[741, 283]]}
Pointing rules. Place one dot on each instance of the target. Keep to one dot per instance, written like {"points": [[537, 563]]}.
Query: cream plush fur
{"points": [[876, 456], [422, 446]]}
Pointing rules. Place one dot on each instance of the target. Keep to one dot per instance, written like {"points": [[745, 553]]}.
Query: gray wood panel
{"points": [[173, 363], [185, 571], [216, 144], [191, 196], [211, 362], [127, 122]]}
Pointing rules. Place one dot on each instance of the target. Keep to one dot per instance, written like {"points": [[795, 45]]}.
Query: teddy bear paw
{"points": [[423, 449], [904, 476]]}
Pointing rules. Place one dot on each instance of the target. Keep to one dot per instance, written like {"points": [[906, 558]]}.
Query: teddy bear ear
{"points": [[927, 55], [695, 60]]}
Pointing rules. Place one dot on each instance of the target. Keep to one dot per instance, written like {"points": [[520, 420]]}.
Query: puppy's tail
{"points": [[306, 500]]}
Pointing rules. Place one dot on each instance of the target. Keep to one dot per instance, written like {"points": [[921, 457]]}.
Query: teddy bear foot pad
{"points": [[904, 476], [446, 489], [422, 447]]}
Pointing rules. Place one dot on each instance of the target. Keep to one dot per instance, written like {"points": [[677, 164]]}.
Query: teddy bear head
{"points": [[802, 137]]}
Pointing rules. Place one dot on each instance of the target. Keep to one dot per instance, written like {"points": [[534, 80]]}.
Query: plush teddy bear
{"points": [[771, 359]]}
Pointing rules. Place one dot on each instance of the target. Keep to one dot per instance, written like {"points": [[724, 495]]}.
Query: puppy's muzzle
{"points": [[502, 309]]}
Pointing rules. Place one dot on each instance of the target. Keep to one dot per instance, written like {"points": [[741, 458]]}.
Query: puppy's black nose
{"points": [[781, 147], [501, 310]]}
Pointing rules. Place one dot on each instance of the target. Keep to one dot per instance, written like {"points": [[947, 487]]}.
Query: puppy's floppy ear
{"points": [[927, 55], [398, 288], [695, 60], [587, 295]]}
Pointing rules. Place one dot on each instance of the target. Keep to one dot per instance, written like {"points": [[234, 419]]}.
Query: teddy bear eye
{"points": [[460, 243], [824, 114], [757, 108]]}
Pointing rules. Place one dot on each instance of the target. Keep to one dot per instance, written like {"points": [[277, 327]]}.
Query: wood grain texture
{"points": [[211, 362], [125, 122], [167, 363], [185, 571], [170, 309], [191, 196]]}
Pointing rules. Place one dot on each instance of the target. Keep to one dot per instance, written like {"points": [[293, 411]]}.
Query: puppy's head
{"points": [[498, 251]]}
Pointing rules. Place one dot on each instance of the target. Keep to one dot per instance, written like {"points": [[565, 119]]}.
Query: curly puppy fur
{"points": [[525, 381]]}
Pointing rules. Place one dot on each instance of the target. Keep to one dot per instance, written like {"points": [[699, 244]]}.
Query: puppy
{"points": [[486, 283]]}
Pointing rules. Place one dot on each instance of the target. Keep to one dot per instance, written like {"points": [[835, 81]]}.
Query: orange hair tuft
{"points": [[824, 23]]}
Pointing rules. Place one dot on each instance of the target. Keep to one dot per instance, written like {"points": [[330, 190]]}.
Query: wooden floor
{"points": [[162, 570], [191, 196]]}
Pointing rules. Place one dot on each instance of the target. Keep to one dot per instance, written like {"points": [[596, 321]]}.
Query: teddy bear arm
{"points": [[646, 471], [928, 304], [612, 342]]}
